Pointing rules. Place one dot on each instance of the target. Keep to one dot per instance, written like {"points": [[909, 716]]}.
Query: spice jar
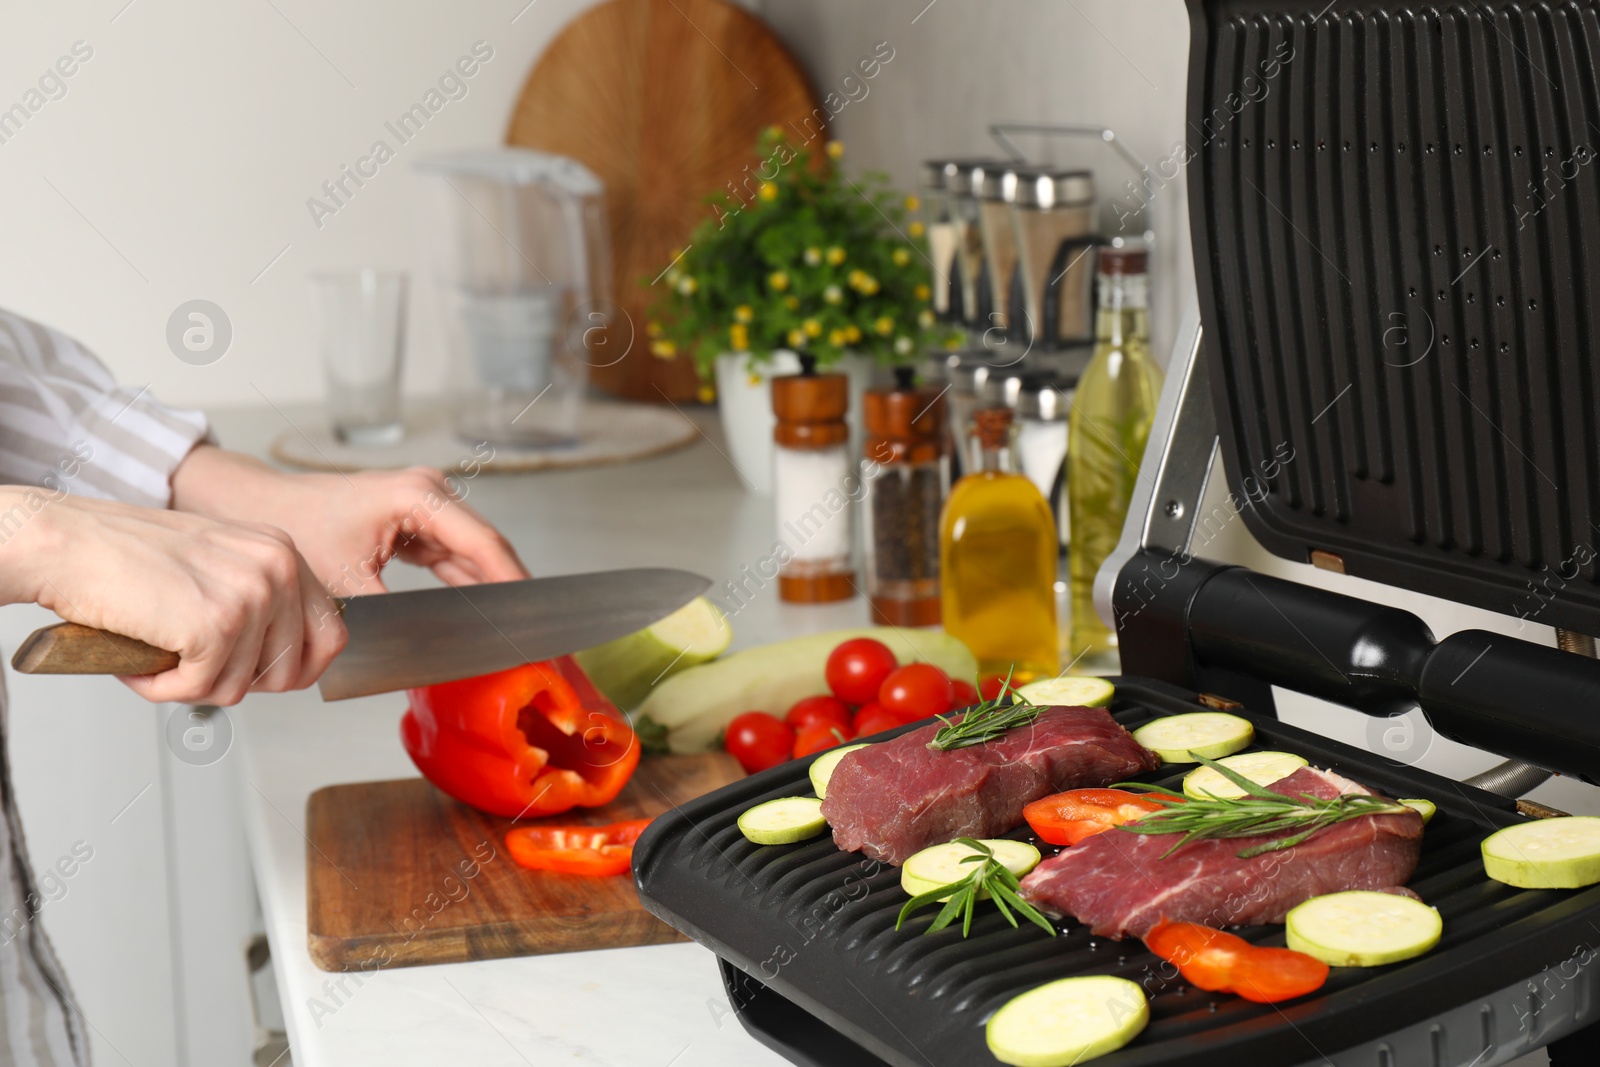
{"points": [[812, 482], [1042, 409], [906, 469]]}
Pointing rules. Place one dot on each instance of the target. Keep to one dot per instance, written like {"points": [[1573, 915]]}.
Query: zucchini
{"points": [[940, 865], [1424, 808], [1263, 768], [1559, 853], [823, 766], [695, 705], [1068, 691], [1180, 738], [783, 821], [1362, 928], [1067, 1021], [626, 669]]}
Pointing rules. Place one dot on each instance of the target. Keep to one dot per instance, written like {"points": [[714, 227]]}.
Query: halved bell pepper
{"points": [[1226, 963], [592, 850], [1067, 818], [534, 740]]}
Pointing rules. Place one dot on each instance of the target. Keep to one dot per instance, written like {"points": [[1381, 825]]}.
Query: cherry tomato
{"points": [[873, 719], [1067, 818], [812, 710], [857, 668], [817, 737], [962, 694], [758, 740], [1222, 962], [915, 691], [989, 688]]}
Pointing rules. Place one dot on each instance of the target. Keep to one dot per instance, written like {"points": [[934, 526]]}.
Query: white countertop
{"points": [[651, 1007]]}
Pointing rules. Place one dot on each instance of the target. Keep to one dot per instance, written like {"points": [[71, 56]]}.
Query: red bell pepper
{"points": [[1224, 963], [534, 740], [1067, 818], [591, 850]]}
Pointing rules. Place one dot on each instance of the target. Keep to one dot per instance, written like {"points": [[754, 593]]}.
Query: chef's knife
{"points": [[404, 640]]}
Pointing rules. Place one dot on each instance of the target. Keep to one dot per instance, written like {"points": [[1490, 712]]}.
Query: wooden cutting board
{"points": [[663, 100], [398, 874]]}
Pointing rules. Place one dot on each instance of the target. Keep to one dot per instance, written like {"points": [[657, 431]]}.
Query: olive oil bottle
{"points": [[1110, 422], [997, 560]]}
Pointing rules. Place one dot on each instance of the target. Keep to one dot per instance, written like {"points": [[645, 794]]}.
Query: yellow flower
{"points": [[852, 333], [688, 285], [835, 149], [653, 329], [752, 379], [903, 345], [813, 256], [869, 285], [836, 338], [768, 192], [778, 280], [832, 294], [812, 327], [705, 394], [915, 229], [922, 292], [791, 302], [884, 325], [901, 257], [774, 130], [797, 338], [853, 279], [663, 349], [835, 256], [742, 313], [739, 337], [925, 319], [913, 203]]}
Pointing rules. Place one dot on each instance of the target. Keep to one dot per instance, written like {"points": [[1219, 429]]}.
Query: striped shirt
{"points": [[66, 426]]}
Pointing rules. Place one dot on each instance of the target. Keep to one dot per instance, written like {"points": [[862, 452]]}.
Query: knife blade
{"points": [[426, 636]]}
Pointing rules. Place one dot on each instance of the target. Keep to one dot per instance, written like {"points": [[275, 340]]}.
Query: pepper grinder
{"points": [[906, 468], [813, 485]]}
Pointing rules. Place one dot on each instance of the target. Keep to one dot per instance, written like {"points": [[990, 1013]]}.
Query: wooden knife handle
{"points": [[67, 648]]}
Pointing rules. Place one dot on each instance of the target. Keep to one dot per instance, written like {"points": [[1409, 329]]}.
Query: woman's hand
{"points": [[348, 526], [235, 601]]}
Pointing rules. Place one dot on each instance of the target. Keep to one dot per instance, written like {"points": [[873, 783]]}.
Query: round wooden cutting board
{"points": [[663, 100]]}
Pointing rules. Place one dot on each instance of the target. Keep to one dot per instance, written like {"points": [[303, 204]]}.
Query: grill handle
{"points": [[1521, 700]]}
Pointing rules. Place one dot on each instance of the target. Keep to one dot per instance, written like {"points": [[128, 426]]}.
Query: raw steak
{"points": [[893, 799], [1118, 884]]}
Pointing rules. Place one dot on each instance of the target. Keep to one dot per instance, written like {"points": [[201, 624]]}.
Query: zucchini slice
{"points": [[1212, 734], [1068, 691], [1363, 929], [1424, 808], [1560, 853], [783, 821], [823, 766], [1067, 1021], [1263, 768], [940, 865]]}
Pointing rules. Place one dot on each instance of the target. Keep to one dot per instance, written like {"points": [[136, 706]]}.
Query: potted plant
{"points": [[798, 261]]}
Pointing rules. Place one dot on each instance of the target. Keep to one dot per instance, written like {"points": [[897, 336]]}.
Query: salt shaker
{"points": [[906, 469], [813, 485]]}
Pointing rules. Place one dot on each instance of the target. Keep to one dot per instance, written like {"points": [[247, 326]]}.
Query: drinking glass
{"points": [[360, 321]]}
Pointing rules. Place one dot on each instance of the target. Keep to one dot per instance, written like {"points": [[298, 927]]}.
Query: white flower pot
{"points": [[744, 401]]}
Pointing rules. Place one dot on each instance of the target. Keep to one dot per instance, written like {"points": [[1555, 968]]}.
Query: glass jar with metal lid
{"points": [[996, 188], [965, 185], [1043, 403], [1052, 214], [943, 232]]}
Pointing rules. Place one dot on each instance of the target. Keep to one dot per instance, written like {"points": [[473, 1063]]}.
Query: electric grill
{"points": [[1396, 236]]}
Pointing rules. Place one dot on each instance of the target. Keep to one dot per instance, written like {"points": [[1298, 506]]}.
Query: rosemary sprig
{"points": [[989, 874], [987, 721], [1260, 812]]}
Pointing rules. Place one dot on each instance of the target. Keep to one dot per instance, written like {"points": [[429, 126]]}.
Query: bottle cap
{"points": [[810, 409], [1124, 261], [993, 427]]}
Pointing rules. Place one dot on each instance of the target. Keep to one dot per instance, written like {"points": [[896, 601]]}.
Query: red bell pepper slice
{"points": [[587, 850], [1224, 963], [1067, 818], [533, 740]]}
